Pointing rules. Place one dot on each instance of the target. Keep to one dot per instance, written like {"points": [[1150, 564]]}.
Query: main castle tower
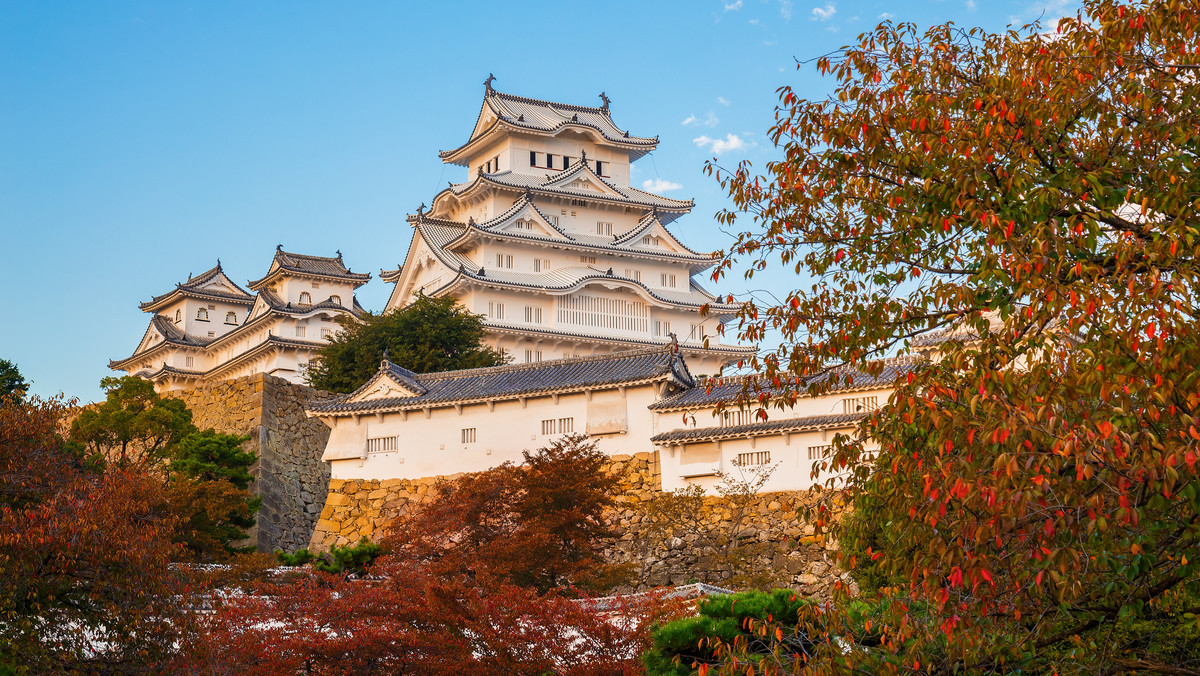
{"points": [[549, 241]]}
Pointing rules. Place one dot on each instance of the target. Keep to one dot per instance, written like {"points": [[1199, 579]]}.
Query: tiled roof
{"points": [[727, 350], [277, 304], [671, 208], [511, 381], [192, 288], [729, 389], [314, 266], [391, 276], [815, 422], [536, 115]]}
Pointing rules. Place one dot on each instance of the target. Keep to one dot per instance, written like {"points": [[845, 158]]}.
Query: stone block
{"points": [[337, 500]]}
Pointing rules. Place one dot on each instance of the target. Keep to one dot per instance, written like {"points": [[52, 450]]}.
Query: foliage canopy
{"points": [[428, 335], [1026, 202]]}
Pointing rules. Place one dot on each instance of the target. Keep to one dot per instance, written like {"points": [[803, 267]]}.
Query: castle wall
{"points": [[759, 541], [289, 474]]}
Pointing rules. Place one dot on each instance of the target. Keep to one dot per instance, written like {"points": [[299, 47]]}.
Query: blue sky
{"points": [[141, 141]]}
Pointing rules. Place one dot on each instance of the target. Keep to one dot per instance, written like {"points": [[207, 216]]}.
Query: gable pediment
{"points": [[387, 386], [583, 181], [527, 221]]}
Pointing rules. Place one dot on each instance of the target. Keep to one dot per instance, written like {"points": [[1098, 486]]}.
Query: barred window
{"points": [[566, 425], [533, 315], [231, 318], [202, 314], [548, 426], [468, 435], [381, 444], [859, 404], [305, 298], [735, 418], [754, 458], [819, 452]]}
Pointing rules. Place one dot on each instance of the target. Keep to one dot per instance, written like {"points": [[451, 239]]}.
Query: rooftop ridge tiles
{"points": [[782, 424], [679, 205], [533, 366], [731, 349]]}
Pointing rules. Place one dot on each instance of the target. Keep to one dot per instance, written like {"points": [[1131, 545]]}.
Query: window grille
{"points": [[648, 241], [603, 228], [495, 310], [533, 356], [202, 315], [325, 333], [754, 458], [231, 318], [604, 313], [305, 298], [819, 452], [316, 285], [566, 425], [667, 280], [587, 259], [189, 361], [735, 418], [541, 264], [301, 331], [635, 275], [468, 435], [381, 444], [578, 203], [548, 427], [533, 315], [859, 404], [698, 332], [661, 328], [336, 300], [178, 316], [504, 261]]}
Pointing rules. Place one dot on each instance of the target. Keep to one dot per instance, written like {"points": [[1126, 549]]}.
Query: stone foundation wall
{"points": [[289, 474], [741, 541]]}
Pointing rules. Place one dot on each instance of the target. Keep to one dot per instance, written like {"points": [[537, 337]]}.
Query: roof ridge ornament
{"points": [[583, 155], [488, 83], [421, 210], [383, 365], [604, 104], [279, 248], [339, 255]]}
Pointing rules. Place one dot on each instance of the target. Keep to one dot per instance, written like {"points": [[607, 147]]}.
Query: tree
{"points": [[539, 526], [11, 380], [133, 423], [430, 334], [84, 554], [1026, 202]]}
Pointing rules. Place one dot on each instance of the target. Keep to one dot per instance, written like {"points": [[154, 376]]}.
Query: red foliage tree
{"points": [[84, 553]]}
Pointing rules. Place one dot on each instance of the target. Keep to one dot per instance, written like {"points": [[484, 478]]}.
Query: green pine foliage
{"points": [[352, 559], [428, 335], [679, 647], [11, 380], [212, 456]]}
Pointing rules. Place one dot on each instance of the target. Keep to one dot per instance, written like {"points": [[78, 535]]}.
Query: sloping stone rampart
{"points": [[758, 541], [289, 474]]}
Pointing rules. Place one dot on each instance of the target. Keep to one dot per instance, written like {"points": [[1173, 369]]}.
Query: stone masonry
{"points": [[289, 474], [756, 541]]}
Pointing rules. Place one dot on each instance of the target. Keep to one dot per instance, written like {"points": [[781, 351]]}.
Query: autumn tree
{"points": [[85, 585], [1024, 205], [427, 335], [539, 525]]}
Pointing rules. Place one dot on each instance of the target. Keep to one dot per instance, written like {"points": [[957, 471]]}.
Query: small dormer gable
{"points": [[391, 382], [525, 219], [582, 179], [652, 235]]}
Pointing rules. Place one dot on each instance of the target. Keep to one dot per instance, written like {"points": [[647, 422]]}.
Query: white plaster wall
{"points": [[432, 446]]}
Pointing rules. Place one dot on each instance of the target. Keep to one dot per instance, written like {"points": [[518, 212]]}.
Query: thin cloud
{"points": [[709, 120], [733, 6], [785, 9], [824, 13], [720, 146], [886, 16], [659, 185], [722, 100]]}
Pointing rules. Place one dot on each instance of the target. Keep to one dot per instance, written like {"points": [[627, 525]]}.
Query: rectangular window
{"points": [[381, 444], [325, 333], [504, 261], [189, 361], [819, 452], [533, 356], [648, 241], [754, 458], [541, 264], [533, 315], [301, 331], [661, 328], [316, 285], [548, 427], [566, 162], [577, 203], [735, 418], [532, 158], [698, 332], [495, 310], [587, 259], [603, 228], [212, 334], [599, 168], [635, 275], [859, 404], [553, 220], [468, 435], [549, 161], [566, 425], [667, 280], [496, 163]]}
